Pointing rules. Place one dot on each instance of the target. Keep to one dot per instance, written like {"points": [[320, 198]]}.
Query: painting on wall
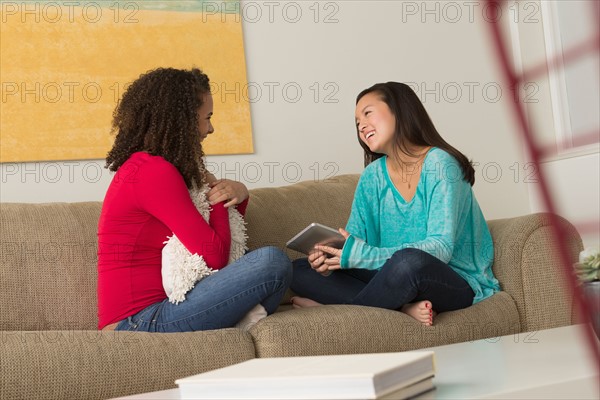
{"points": [[64, 66]]}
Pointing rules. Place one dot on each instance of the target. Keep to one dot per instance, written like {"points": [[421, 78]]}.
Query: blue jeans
{"points": [[410, 275], [221, 300]]}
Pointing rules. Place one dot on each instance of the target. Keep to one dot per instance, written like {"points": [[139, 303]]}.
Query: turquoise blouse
{"points": [[443, 219]]}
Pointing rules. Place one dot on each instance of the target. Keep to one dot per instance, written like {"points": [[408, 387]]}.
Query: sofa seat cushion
{"points": [[346, 329], [106, 364]]}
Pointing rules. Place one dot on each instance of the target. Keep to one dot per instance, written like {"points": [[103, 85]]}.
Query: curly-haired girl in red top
{"points": [[161, 122]]}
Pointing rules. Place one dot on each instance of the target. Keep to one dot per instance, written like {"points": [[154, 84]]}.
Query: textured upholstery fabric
{"points": [[343, 329], [49, 347], [528, 268], [98, 364], [48, 259], [275, 215]]}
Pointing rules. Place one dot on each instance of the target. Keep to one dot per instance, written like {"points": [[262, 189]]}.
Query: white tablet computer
{"points": [[313, 234]]}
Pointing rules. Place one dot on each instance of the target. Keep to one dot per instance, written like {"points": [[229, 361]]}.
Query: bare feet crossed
{"points": [[421, 311], [302, 302]]}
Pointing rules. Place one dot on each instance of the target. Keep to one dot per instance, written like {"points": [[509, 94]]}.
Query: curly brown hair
{"points": [[158, 114]]}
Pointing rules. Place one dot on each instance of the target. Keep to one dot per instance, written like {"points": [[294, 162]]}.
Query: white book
{"points": [[410, 391], [352, 376]]}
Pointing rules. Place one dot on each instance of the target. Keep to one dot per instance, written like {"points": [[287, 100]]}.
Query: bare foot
{"points": [[302, 302], [421, 311]]}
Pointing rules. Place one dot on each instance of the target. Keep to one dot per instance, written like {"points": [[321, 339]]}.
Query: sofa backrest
{"points": [[48, 255], [274, 216], [48, 266]]}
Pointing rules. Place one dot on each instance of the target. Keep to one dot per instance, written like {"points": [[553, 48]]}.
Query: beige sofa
{"points": [[50, 347]]}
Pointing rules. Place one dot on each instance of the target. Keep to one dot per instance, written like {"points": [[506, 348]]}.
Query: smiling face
{"points": [[376, 123], [205, 112]]}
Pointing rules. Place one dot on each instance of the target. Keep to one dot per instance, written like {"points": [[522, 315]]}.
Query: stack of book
{"points": [[354, 376]]}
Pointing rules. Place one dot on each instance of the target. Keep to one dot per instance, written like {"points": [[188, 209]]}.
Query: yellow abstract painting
{"points": [[64, 66]]}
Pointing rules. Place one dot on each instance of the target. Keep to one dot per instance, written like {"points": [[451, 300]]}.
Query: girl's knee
{"points": [[277, 256], [273, 260], [266, 254], [406, 264], [411, 258]]}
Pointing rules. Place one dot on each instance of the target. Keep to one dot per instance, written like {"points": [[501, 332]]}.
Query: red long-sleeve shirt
{"points": [[147, 201]]}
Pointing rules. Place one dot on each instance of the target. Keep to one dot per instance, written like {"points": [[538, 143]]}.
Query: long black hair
{"points": [[159, 114], [413, 125]]}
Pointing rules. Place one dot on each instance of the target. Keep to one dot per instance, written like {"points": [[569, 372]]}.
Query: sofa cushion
{"points": [[100, 364], [345, 329]]}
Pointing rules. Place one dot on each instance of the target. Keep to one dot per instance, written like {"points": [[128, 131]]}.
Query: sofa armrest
{"points": [[527, 265], [103, 364]]}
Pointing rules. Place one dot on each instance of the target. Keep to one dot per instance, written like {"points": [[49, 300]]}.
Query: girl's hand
{"points": [[232, 192], [334, 256], [316, 258]]}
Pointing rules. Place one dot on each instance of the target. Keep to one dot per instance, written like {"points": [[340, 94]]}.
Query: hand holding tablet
{"points": [[315, 234]]}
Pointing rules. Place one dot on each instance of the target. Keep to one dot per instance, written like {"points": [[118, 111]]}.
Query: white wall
{"points": [[575, 187], [573, 175], [441, 47]]}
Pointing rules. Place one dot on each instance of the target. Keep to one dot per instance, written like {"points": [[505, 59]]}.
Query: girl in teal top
{"points": [[416, 240]]}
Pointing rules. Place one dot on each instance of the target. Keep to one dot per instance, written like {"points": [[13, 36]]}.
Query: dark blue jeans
{"points": [[221, 300], [410, 275]]}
